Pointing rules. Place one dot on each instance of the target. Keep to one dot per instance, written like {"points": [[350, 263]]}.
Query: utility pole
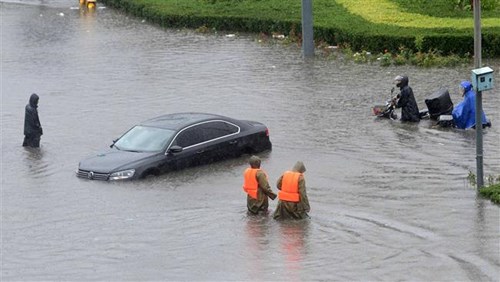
{"points": [[479, 98], [307, 29]]}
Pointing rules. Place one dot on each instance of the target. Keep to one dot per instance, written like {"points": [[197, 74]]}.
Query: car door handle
{"points": [[200, 151], [233, 142]]}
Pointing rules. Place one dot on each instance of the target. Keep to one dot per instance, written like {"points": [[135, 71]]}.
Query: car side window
{"points": [[189, 137], [204, 132], [216, 129]]}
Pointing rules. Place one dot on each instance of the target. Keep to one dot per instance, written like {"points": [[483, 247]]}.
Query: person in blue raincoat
{"points": [[464, 114]]}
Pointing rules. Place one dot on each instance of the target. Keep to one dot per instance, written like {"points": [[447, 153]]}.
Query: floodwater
{"points": [[390, 201]]}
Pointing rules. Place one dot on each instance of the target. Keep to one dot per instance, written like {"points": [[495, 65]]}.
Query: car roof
{"points": [[177, 121]]}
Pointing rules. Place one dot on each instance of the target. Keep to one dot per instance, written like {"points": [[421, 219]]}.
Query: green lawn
{"points": [[372, 25], [396, 13]]}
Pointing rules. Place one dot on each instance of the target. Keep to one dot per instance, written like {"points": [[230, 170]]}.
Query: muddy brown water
{"points": [[390, 201]]}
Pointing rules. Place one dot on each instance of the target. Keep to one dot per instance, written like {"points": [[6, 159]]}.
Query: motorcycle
{"points": [[439, 108], [387, 110]]}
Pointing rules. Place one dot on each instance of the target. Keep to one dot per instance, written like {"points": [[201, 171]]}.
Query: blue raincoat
{"points": [[464, 114]]}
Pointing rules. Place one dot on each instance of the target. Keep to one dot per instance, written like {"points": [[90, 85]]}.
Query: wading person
{"points": [[464, 114], [32, 127], [257, 187], [293, 202], [406, 100]]}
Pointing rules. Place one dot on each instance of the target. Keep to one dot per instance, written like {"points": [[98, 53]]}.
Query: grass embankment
{"points": [[414, 30]]}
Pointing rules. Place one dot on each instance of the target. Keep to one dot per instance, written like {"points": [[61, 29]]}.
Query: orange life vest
{"points": [[250, 184], [290, 187]]}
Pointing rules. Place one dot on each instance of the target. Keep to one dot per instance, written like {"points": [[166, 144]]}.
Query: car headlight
{"points": [[124, 174]]}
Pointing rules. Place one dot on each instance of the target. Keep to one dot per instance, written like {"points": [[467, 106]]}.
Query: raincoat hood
{"points": [[34, 100], [467, 86], [32, 126], [299, 167]]}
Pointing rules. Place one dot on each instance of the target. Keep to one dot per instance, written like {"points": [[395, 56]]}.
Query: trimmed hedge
{"points": [[334, 25]]}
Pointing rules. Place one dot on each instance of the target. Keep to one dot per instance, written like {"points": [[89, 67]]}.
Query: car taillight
{"points": [[267, 132]]}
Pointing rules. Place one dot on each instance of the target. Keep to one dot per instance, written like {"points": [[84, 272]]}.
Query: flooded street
{"points": [[389, 201]]}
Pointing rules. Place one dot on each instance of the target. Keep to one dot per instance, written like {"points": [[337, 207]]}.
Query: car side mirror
{"points": [[175, 149], [114, 141]]}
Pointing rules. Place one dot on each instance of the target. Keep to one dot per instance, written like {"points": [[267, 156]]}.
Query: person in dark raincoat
{"points": [[464, 114], [293, 201], [406, 100], [257, 187], [32, 127]]}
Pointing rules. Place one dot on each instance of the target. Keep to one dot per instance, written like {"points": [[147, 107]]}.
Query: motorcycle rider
{"points": [[406, 100]]}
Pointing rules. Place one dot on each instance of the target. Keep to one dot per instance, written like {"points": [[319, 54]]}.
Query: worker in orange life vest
{"points": [[293, 202], [257, 187]]}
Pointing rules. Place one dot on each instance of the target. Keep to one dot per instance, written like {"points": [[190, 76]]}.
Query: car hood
{"points": [[113, 160]]}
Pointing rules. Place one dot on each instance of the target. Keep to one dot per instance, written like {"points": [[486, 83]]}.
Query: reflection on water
{"points": [[257, 229], [388, 200], [33, 160], [293, 237], [278, 245], [258, 238]]}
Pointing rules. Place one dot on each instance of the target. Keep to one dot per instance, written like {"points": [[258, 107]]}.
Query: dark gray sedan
{"points": [[175, 141]]}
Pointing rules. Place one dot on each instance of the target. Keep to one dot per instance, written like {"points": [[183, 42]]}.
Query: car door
{"points": [[205, 142], [220, 140], [189, 139]]}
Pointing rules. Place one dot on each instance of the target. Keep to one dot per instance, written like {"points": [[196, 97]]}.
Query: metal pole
{"points": [[307, 29], [479, 100]]}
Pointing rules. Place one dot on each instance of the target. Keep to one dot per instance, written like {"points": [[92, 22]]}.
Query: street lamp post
{"points": [[307, 29], [479, 98]]}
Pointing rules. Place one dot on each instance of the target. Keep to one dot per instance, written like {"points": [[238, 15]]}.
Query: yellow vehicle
{"points": [[89, 4]]}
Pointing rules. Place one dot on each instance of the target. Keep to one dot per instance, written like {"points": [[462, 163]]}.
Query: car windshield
{"points": [[144, 139]]}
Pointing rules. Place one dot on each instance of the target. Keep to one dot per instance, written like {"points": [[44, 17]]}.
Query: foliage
{"points": [[467, 5], [492, 191], [385, 59], [472, 178], [388, 12], [363, 57], [337, 23], [423, 59], [448, 8], [491, 179]]}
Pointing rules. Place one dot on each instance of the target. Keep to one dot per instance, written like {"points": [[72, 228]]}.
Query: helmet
{"points": [[401, 80]]}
